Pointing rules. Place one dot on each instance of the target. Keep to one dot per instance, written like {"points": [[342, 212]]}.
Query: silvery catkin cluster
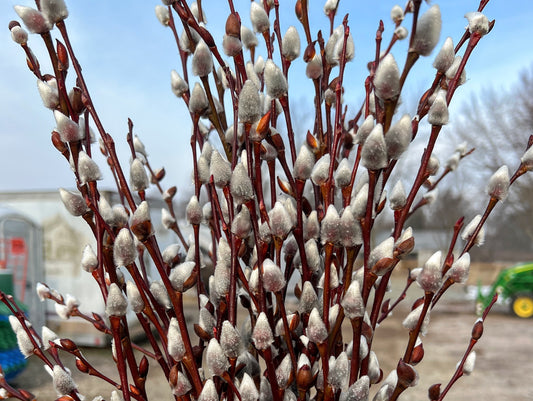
{"points": [[288, 283]]}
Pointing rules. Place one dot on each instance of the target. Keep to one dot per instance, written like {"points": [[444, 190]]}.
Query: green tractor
{"points": [[514, 283]]}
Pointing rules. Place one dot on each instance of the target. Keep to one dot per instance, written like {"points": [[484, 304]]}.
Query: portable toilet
{"points": [[21, 261]]}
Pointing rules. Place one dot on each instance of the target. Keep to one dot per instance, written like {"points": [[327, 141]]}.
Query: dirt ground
{"points": [[503, 366]]}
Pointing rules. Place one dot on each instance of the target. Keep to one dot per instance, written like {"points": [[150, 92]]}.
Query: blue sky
{"points": [[127, 57]]}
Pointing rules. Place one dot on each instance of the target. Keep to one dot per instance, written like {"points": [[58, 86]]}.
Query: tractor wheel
{"points": [[522, 305]]}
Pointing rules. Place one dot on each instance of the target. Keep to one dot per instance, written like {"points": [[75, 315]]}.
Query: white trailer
{"points": [[64, 238]]}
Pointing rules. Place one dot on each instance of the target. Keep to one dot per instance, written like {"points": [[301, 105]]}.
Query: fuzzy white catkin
{"points": [[330, 6], [320, 172], [193, 211], [54, 10], [262, 335], [24, 343], [383, 250], [162, 14], [178, 84], [87, 169], [498, 186], [468, 231], [34, 20], [89, 261], [203, 170], [47, 337], [303, 166], [259, 18], [527, 159], [275, 81], [116, 396], [138, 178], [206, 320], [198, 100], [175, 345], [343, 174], [373, 367], [63, 382], [117, 303], [62, 311], [209, 391], [468, 366], [48, 92], [401, 32], [248, 389], [280, 221], [427, 31], [308, 298], [106, 211], [170, 253], [291, 44], [357, 391], [241, 187], [166, 219], [19, 35], [352, 302], [399, 137], [365, 129], [141, 214], [477, 23], [411, 321], [134, 297], [241, 225], [374, 153], [215, 359], [339, 46], [316, 329], [74, 202], [202, 60], [396, 14], [120, 216], [329, 227], [232, 46], [387, 78], [445, 57], [333, 279], [124, 249], [180, 274], [338, 376], [350, 233], [358, 203], [438, 112], [183, 385], [452, 71], [273, 278], [458, 273], [160, 294], [329, 50], [431, 196], [453, 162], [69, 131], [42, 292], [430, 278], [249, 40], [220, 169], [314, 68], [249, 109], [398, 197], [230, 340], [283, 372]]}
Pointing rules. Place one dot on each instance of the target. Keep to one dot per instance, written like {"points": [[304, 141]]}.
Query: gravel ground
{"points": [[503, 366]]}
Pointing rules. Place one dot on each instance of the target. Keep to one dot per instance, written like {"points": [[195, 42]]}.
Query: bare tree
{"points": [[500, 120]]}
